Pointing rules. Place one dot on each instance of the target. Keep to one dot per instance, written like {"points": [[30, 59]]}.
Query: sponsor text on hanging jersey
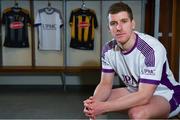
{"points": [[49, 22]]}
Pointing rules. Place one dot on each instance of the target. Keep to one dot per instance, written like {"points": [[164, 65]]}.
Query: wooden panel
{"points": [[72, 70], [29, 69], [167, 27], [47, 69], [149, 17], [165, 24], [175, 38]]}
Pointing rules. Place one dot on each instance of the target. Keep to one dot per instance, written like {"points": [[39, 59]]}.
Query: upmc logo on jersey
{"points": [[83, 24], [49, 26], [129, 80], [16, 25], [148, 72]]}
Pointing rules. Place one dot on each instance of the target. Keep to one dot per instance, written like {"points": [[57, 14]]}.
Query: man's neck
{"points": [[129, 44]]}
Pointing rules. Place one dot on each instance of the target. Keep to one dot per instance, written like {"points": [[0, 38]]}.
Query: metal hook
{"points": [[83, 6], [49, 4], [15, 3]]}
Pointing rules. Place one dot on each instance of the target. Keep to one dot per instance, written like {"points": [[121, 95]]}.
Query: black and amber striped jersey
{"points": [[83, 24], [16, 22]]}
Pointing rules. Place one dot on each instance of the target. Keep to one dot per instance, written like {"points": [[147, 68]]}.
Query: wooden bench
{"points": [[61, 70]]}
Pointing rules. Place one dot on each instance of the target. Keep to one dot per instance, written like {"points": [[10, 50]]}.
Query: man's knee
{"points": [[137, 113]]}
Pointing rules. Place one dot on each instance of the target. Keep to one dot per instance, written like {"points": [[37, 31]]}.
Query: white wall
{"points": [[90, 78]]}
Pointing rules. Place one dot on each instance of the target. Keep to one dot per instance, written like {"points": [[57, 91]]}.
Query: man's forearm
{"points": [[102, 92]]}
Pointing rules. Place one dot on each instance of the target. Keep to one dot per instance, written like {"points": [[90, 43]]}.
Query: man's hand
{"points": [[88, 111], [93, 108]]}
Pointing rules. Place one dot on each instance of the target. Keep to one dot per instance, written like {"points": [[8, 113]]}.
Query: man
{"points": [[141, 62]]}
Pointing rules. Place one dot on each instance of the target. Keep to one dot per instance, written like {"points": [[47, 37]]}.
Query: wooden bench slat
{"points": [[46, 69]]}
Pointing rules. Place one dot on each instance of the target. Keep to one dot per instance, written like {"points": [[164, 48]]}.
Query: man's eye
{"points": [[113, 23], [124, 21]]}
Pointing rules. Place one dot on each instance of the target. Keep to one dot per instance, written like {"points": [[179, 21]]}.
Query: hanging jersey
{"points": [[16, 22], [83, 24], [49, 21], [146, 63]]}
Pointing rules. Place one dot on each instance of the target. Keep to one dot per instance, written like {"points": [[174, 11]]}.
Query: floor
{"points": [[46, 102]]}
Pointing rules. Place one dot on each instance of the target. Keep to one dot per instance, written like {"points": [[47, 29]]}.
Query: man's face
{"points": [[121, 26]]}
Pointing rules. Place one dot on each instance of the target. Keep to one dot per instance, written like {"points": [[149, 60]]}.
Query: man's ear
{"points": [[108, 27], [133, 24]]}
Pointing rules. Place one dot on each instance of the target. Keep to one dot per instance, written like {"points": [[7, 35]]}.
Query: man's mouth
{"points": [[120, 34]]}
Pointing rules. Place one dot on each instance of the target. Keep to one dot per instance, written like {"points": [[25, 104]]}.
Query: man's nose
{"points": [[119, 26]]}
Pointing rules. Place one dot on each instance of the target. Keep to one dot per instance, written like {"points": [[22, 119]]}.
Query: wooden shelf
{"points": [[26, 69], [80, 69], [48, 69]]}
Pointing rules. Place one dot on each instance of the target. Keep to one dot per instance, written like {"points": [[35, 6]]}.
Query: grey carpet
{"points": [[44, 103]]}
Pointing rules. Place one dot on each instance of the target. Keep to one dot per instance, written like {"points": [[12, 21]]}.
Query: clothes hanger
{"points": [[16, 7], [83, 5], [15, 4], [49, 5]]}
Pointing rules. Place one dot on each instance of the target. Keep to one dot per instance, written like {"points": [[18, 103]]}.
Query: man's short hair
{"points": [[120, 7]]}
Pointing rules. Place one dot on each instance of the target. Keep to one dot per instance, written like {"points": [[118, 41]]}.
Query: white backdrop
{"points": [[73, 57]]}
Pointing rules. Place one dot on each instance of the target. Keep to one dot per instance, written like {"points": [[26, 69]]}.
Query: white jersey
{"points": [[49, 21], [146, 62]]}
